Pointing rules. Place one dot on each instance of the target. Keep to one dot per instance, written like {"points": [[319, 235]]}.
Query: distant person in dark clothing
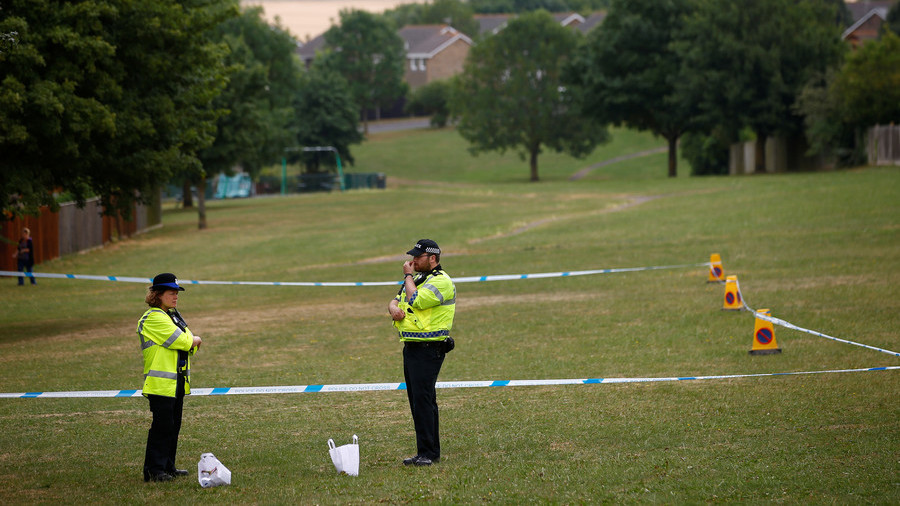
{"points": [[24, 256]]}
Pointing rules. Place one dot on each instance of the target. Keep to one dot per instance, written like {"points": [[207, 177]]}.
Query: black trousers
{"points": [[162, 438], [421, 365]]}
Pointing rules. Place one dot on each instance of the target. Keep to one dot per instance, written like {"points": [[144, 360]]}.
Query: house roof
{"points": [[864, 7], [881, 12], [425, 41], [491, 23], [308, 50], [592, 21], [567, 18]]}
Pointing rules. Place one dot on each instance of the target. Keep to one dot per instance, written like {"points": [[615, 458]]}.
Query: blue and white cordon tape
{"points": [[469, 279], [367, 387], [789, 325], [360, 387]]}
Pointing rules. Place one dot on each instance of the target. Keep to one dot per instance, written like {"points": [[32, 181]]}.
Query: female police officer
{"points": [[167, 344]]}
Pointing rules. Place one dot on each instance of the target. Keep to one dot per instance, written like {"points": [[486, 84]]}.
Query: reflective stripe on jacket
{"points": [[161, 340], [430, 311]]}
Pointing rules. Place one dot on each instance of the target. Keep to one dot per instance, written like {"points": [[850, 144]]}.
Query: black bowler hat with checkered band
{"points": [[424, 246], [166, 281]]}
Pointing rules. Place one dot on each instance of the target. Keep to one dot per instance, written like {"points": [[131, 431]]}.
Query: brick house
{"points": [[433, 52], [490, 24], [867, 16]]}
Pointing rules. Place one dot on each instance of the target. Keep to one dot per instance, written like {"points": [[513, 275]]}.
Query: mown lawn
{"points": [[821, 250]]}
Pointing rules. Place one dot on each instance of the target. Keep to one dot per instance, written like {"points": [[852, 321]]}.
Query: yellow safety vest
{"points": [[161, 340], [430, 311]]}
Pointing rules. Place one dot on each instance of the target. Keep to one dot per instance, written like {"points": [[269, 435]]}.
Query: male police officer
{"points": [[423, 313]]}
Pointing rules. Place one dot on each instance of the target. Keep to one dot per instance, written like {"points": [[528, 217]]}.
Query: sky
{"points": [[306, 19]]}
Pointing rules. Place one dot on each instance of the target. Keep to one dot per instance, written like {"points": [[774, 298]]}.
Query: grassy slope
{"points": [[820, 250]]}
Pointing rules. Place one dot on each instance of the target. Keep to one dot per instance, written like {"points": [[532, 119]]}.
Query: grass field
{"points": [[821, 250]]}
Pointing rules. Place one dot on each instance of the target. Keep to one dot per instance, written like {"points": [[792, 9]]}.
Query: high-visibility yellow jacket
{"points": [[430, 311], [161, 341]]}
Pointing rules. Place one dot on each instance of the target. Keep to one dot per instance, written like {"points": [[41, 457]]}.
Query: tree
{"points": [[366, 50], [892, 22], [432, 99], [455, 13], [745, 62], [630, 70], [869, 83], [263, 75], [839, 106], [511, 94], [327, 116], [104, 98]]}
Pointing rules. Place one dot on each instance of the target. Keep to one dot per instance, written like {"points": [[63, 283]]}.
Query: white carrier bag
{"points": [[211, 472], [345, 458]]}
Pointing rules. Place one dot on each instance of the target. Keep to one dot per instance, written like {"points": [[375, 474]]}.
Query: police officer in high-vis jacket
{"points": [[423, 313], [167, 345]]}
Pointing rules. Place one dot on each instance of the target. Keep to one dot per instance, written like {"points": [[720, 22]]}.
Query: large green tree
{"points": [[264, 73], [745, 62], [327, 116], [366, 50], [511, 94], [455, 13], [106, 98], [840, 106], [630, 70]]}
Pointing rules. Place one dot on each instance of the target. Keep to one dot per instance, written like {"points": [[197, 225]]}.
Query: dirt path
{"points": [[587, 170]]}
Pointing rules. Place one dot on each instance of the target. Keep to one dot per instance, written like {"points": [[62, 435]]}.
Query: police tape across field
{"points": [[366, 387], [714, 264], [739, 304], [465, 279]]}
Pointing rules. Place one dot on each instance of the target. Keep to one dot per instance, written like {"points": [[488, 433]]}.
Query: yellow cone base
{"points": [[764, 336], [765, 352], [716, 274], [733, 301]]}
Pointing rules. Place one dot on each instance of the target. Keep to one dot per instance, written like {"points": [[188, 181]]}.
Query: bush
{"points": [[431, 100], [707, 153]]}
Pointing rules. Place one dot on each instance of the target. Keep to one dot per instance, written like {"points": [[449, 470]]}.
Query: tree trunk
{"points": [[365, 119], [760, 158], [533, 163], [201, 204], [187, 200], [673, 156]]}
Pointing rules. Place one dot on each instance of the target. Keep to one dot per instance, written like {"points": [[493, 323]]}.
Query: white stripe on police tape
{"points": [[467, 279], [362, 387], [789, 325]]}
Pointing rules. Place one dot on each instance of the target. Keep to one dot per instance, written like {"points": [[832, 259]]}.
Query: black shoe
{"points": [[159, 477], [422, 461], [410, 461], [179, 472]]}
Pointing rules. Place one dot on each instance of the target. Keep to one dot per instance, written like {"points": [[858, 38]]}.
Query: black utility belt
{"points": [[446, 345], [424, 343]]}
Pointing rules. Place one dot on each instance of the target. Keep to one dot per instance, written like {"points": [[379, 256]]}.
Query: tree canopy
{"points": [[104, 98], [744, 63], [328, 117], [366, 50], [630, 70], [511, 94]]}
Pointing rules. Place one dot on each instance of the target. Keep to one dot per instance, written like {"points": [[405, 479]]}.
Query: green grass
{"points": [[821, 250]]}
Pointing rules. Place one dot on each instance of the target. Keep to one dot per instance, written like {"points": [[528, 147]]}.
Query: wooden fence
{"points": [[884, 145], [72, 230]]}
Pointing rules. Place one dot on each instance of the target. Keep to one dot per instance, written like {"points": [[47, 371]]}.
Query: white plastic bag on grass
{"points": [[345, 458], [211, 472]]}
